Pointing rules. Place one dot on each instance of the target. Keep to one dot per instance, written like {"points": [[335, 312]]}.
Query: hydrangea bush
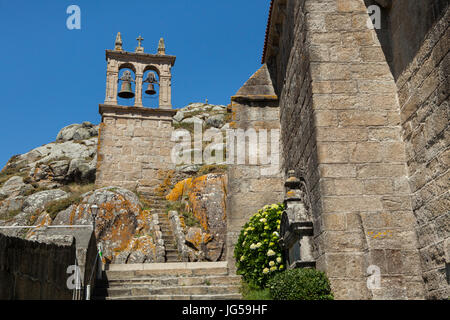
{"points": [[258, 253]]}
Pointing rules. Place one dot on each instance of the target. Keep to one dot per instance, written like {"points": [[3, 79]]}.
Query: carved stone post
{"points": [[165, 92], [138, 90], [296, 225], [112, 76]]}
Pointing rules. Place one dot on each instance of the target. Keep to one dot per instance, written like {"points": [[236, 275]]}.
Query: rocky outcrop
{"points": [[70, 159], [214, 122], [122, 227], [35, 203], [203, 203], [14, 186], [83, 131], [206, 114], [125, 231]]}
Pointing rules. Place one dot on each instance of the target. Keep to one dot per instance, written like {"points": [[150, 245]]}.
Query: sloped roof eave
{"points": [[267, 32]]}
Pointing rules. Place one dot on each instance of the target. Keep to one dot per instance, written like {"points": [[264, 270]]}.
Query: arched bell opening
{"points": [[127, 82], [150, 89]]}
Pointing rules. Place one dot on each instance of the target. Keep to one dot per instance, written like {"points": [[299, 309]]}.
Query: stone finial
{"points": [[118, 43], [161, 46], [292, 182], [139, 48]]}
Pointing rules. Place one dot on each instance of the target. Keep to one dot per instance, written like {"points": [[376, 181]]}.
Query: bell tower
{"points": [[134, 143], [139, 62]]}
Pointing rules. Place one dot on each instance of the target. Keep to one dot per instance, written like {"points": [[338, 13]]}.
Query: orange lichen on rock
{"points": [[164, 187], [197, 190], [199, 238], [179, 190]]}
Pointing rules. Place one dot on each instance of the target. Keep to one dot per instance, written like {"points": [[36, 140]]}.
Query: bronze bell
{"points": [[126, 91], [150, 89]]}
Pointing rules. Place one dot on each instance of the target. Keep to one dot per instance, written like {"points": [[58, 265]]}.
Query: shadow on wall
{"points": [[404, 26]]}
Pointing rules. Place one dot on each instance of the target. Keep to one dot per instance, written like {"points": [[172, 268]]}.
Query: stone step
{"points": [[167, 234], [132, 271], [174, 281], [175, 290], [181, 297], [172, 259]]}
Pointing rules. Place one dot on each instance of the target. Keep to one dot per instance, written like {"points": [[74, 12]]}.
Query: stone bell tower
{"points": [[134, 147], [139, 62]]}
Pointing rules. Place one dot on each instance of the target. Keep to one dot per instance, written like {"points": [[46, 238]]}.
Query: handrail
{"points": [[87, 287]]}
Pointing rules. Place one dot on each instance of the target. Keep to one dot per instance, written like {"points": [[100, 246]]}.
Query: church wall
{"points": [[341, 125], [420, 36]]}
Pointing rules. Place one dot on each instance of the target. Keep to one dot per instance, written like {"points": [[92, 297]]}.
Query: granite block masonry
{"points": [[359, 112], [134, 149]]}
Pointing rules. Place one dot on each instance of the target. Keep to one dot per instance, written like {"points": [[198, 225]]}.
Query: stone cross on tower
{"points": [[139, 48], [139, 63]]}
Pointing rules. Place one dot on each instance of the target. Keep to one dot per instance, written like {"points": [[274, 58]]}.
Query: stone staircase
{"points": [[168, 281], [158, 206]]}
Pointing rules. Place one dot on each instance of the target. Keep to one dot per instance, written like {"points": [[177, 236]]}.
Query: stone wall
{"points": [[252, 186], [341, 127], [423, 89], [33, 270], [134, 149], [85, 244]]}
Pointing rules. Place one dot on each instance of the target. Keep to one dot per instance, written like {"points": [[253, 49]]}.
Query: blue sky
{"points": [[53, 77]]}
